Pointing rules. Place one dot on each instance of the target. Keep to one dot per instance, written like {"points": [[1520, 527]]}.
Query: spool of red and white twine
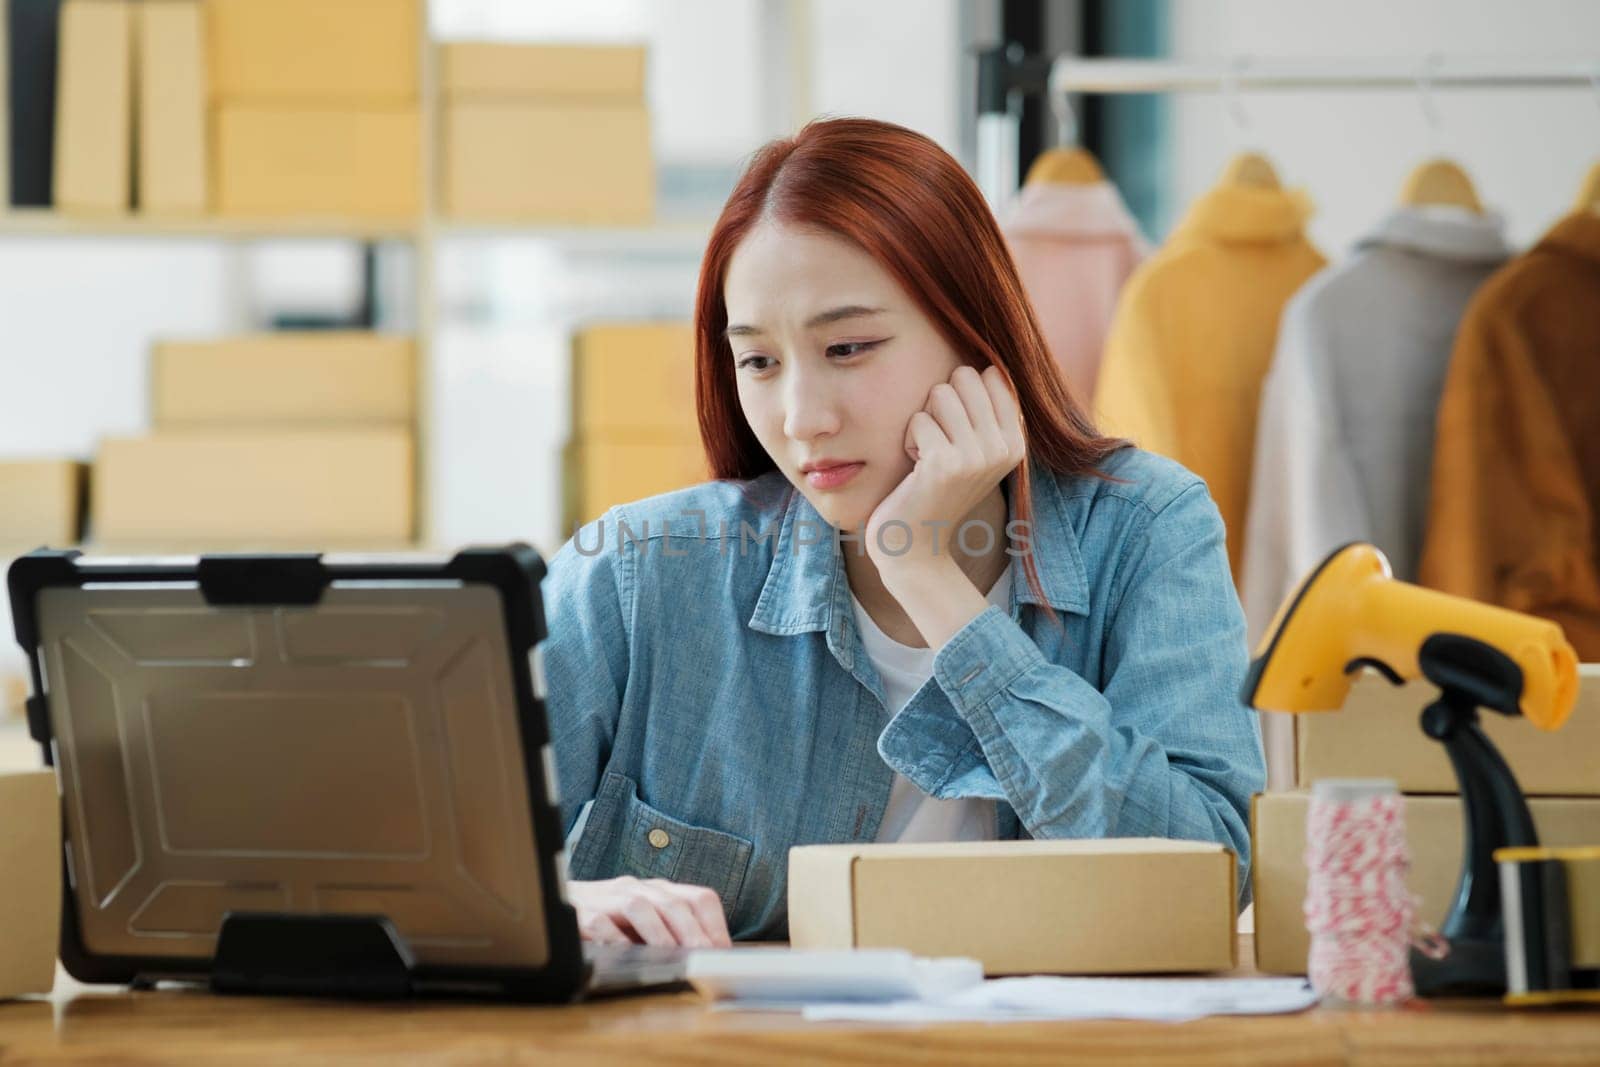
{"points": [[1358, 910]]}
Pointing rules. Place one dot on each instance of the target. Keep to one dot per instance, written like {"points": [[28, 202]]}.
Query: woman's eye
{"points": [[755, 362], [850, 348]]}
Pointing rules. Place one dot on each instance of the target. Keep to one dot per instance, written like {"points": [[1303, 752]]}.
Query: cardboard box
{"points": [[351, 51], [1376, 735], [41, 503], [13, 696], [94, 107], [30, 882], [283, 378], [1433, 834], [172, 108], [633, 378], [307, 488], [292, 160], [601, 472], [493, 69], [581, 163], [1121, 906]]}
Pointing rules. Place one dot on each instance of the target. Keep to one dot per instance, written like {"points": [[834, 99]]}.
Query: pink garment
{"points": [[1075, 246]]}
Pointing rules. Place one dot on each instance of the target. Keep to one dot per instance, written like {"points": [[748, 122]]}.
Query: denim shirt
{"points": [[711, 704]]}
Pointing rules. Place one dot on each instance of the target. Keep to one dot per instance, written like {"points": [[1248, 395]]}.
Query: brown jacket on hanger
{"points": [[1516, 473]]}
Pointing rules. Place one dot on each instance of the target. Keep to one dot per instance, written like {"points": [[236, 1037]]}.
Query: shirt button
{"points": [[659, 838]]}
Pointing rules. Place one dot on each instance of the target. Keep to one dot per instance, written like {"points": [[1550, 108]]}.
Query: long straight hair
{"points": [[907, 203]]}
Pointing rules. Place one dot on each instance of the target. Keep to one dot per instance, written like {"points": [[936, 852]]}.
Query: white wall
{"points": [[1526, 150], [76, 319], [896, 60]]}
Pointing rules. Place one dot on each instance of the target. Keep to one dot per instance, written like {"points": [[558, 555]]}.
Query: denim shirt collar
{"points": [[807, 591]]}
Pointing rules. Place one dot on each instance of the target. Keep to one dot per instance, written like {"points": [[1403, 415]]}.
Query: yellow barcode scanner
{"points": [[1350, 613]]}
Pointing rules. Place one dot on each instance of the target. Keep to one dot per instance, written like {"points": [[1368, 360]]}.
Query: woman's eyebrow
{"points": [[839, 314], [832, 315]]}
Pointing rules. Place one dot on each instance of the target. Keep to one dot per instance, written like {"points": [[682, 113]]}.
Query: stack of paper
{"points": [[890, 985], [1025, 999]]}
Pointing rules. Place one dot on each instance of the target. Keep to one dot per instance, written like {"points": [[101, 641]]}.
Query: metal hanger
{"points": [[1437, 181], [1069, 163], [1250, 169]]}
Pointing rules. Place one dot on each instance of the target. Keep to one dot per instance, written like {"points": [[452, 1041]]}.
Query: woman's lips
{"points": [[832, 477]]}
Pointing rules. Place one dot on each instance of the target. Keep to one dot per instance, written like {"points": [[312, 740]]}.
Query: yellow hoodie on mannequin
{"points": [[1194, 333]]}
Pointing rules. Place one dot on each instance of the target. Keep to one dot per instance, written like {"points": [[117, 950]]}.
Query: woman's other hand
{"points": [[964, 442], [652, 911]]}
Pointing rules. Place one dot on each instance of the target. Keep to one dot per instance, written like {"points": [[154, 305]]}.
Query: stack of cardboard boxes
{"points": [[315, 107], [281, 440], [635, 432], [1377, 735], [260, 108], [130, 71], [537, 134], [309, 108]]}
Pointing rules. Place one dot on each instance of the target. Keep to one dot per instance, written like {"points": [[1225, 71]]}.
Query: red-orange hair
{"points": [[907, 203]]}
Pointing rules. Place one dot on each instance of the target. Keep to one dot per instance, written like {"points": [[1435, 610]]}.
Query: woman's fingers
{"points": [[600, 928], [648, 926], [707, 907], [650, 911], [672, 902], [1008, 416], [948, 409], [924, 436], [975, 397]]}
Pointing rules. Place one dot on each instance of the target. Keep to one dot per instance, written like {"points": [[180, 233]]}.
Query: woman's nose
{"points": [[810, 408]]}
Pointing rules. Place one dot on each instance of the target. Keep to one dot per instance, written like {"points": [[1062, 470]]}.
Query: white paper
{"points": [[1032, 999]]}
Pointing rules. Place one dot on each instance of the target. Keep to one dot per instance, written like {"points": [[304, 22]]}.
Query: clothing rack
{"points": [[1005, 74]]}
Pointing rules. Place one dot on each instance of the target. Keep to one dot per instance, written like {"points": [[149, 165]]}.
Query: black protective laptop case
{"points": [[302, 774]]}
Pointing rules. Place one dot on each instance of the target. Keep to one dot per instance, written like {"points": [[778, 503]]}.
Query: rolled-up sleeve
{"points": [[1164, 748]]}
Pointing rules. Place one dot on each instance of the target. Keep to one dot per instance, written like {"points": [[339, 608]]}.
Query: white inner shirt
{"points": [[913, 815]]}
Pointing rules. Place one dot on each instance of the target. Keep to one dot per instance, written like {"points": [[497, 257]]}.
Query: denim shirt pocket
{"points": [[647, 843]]}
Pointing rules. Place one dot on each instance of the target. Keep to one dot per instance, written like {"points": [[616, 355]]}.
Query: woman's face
{"points": [[832, 359]]}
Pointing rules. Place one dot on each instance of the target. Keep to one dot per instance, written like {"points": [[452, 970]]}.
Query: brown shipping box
{"points": [[172, 108], [310, 488], [350, 51], [94, 107], [633, 377], [1376, 735], [618, 469], [494, 69], [30, 881], [356, 162], [1119, 906], [551, 161], [41, 502], [283, 378], [1433, 836]]}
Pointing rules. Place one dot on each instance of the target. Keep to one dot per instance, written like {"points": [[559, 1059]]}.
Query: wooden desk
{"points": [[187, 1027]]}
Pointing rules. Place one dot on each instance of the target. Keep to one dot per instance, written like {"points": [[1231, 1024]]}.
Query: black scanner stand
{"points": [[1471, 675]]}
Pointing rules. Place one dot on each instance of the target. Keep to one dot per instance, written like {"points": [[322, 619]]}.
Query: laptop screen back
{"points": [[360, 755]]}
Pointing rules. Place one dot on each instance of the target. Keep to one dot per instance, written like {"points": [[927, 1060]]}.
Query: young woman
{"points": [[923, 601]]}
